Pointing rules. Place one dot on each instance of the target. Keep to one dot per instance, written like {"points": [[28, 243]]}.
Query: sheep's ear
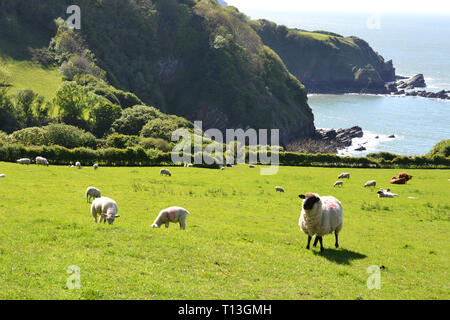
{"points": [[302, 196]]}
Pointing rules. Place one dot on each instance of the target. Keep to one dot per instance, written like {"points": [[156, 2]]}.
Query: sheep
{"points": [[106, 208], [279, 189], [344, 175], [338, 183], [95, 166], [172, 214], [370, 183], [222, 168], [165, 172], [24, 161], [251, 166], [41, 161], [404, 175], [320, 216], [78, 165], [92, 193], [2, 175], [386, 193]]}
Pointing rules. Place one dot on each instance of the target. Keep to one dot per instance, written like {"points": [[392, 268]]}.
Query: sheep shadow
{"points": [[340, 256]]}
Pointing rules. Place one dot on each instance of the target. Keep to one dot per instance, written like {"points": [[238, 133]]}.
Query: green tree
{"points": [[133, 119], [103, 116], [8, 115]]}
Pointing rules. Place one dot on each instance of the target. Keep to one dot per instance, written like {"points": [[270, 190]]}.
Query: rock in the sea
{"points": [[377, 137], [391, 87], [392, 136], [361, 149], [418, 81]]}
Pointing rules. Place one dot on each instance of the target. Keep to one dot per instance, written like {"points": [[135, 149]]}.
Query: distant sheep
{"points": [[165, 172], [338, 183], [106, 208], [279, 189], [404, 175], [78, 165], [251, 166], [41, 161], [2, 175], [172, 214], [92, 193], [95, 166], [222, 168], [344, 175], [386, 193], [370, 183], [24, 161], [320, 216]]}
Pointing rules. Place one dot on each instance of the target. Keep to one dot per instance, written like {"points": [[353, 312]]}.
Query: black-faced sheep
{"points": [[320, 216]]}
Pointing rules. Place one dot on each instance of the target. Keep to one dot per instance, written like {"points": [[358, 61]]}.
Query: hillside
{"points": [[190, 58], [326, 62]]}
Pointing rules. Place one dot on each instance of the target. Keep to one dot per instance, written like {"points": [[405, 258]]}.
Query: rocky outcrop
{"points": [[339, 138]]}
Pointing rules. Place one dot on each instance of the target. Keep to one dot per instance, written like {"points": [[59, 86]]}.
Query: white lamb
{"points": [[386, 193], [41, 161], [370, 183], [344, 175], [338, 183], [320, 216], [92, 193], [106, 208], [165, 172], [172, 214], [78, 165], [279, 189], [24, 161], [95, 166]]}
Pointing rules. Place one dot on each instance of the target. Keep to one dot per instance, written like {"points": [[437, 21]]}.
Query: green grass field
{"points": [[242, 239], [28, 75]]}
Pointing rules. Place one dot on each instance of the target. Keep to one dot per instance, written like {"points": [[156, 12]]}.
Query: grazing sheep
{"points": [[338, 183], [106, 208], [370, 183], [320, 216], [396, 180], [41, 161], [344, 175], [92, 193], [2, 175], [404, 175], [386, 193], [279, 189], [78, 165], [172, 214], [95, 166], [24, 161], [165, 172]]}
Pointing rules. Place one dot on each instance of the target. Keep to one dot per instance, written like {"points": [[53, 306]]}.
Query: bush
{"points": [[103, 116], [159, 128], [33, 136], [69, 136], [441, 149], [121, 141], [155, 143], [133, 119]]}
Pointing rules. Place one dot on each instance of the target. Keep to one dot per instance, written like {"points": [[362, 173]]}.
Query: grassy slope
{"points": [[27, 75], [242, 240]]}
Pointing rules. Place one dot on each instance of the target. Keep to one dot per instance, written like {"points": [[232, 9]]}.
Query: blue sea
{"points": [[416, 44]]}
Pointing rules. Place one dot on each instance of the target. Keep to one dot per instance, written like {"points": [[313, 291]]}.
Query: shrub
{"points": [[121, 141], [69, 136], [159, 128], [155, 143], [133, 119], [103, 116], [33, 136], [441, 149]]}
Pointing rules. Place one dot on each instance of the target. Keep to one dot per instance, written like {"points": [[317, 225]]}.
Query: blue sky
{"points": [[379, 6]]}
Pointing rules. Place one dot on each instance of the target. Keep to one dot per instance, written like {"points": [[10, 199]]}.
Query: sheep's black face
{"points": [[310, 201]]}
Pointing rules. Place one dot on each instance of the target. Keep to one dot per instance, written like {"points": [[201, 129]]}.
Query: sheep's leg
{"points": [[167, 224], [315, 241], [309, 241], [337, 240], [321, 243]]}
